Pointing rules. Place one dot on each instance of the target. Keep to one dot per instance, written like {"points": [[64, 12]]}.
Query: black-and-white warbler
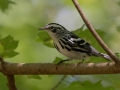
{"points": [[70, 44]]}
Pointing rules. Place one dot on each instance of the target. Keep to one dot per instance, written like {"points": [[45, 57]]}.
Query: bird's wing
{"points": [[83, 45], [76, 43]]}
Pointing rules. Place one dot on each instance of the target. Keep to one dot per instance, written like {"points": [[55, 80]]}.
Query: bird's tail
{"points": [[98, 54], [105, 56]]}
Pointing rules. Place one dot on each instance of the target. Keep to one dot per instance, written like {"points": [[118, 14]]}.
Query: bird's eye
{"points": [[51, 27]]}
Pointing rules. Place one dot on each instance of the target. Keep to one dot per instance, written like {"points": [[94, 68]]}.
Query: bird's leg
{"points": [[63, 61], [77, 63], [82, 61]]}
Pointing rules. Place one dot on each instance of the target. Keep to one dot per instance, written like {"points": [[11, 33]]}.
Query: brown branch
{"points": [[11, 82], [59, 82], [63, 69], [92, 30], [10, 78]]}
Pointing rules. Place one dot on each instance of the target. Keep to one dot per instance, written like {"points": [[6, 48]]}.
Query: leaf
{"points": [[117, 54], [34, 77], [49, 43], [45, 39], [50, 75], [118, 3], [0, 36], [10, 54], [87, 85], [1, 50], [57, 60], [4, 4], [9, 43], [78, 31], [7, 47], [43, 36], [118, 28]]}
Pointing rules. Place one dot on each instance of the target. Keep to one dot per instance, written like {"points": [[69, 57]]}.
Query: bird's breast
{"points": [[67, 51]]}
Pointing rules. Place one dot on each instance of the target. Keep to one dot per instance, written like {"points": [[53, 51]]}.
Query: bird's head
{"points": [[54, 29]]}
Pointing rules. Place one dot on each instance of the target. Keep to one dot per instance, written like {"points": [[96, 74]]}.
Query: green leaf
{"points": [[87, 85], [57, 60], [1, 50], [78, 31], [43, 36], [9, 43], [118, 28], [7, 47], [4, 4], [0, 36], [45, 39], [10, 54], [49, 43], [117, 54], [118, 3], [34, 77], [50, 75]]}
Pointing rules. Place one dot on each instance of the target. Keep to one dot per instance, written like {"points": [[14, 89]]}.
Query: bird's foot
{"points": [[77, 64], [60, 62]]}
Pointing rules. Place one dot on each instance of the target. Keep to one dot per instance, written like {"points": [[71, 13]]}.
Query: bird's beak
{"points": [[42, 28]]}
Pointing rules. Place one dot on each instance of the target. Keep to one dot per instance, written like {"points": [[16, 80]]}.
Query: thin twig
{"points": [[11, 82], [92, 30], [59, 82], [75, 78]]}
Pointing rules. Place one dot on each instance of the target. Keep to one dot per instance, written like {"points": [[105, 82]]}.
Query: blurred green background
{"points": [[22, 18]]}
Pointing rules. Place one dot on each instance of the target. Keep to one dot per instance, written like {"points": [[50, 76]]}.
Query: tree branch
{"points": [[59, 82], [10, 78], [92, 30], [63, 69], [11, 82]]}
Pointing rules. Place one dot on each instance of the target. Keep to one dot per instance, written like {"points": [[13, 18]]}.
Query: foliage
{"points": [[26, 16], [7, 47], [44, 38], [87, 85], [4, 4], [118, 28], [57, 60], [34, 77]]}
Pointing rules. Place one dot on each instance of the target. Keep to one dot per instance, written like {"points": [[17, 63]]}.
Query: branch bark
{"points": [[92, 30], [10, 78], [11, 82], [63, 69]]}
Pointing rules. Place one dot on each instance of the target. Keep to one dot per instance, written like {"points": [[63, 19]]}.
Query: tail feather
{"points": [[105, 56], [98, 54]]}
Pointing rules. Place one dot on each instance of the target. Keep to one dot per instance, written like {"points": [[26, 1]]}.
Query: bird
{"points": [[71, 45]]}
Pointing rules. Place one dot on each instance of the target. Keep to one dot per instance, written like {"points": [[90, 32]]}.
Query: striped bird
{"points": [[70, 44]]}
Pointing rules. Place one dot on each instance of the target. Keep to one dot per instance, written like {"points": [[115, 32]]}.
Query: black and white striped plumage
{"points": [[70, 44]]}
